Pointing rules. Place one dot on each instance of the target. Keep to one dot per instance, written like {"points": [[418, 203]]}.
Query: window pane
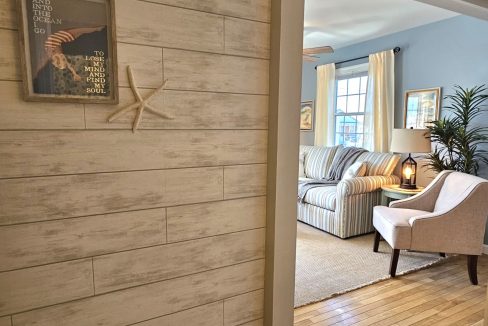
{"points": [[364, 84], [360, 125], [339, 124], [352, 103], [339, 139], [362, 103], [353, 85], [341, 104], [360, 140], [342, 87]]}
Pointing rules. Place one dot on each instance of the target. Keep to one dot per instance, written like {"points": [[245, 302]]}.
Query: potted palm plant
{"points": [[458, 138]]}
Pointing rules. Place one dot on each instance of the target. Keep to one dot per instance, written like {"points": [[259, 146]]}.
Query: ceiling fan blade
{"points": [[318, 50], [309, 58]]}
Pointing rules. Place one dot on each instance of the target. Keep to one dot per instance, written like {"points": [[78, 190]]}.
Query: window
{"points": [[349, 112]]}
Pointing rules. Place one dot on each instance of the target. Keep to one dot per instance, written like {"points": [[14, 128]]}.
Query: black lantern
{"points": [[409, 173]]}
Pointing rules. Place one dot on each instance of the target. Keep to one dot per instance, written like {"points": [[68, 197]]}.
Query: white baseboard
{"points": [[485, 249]]}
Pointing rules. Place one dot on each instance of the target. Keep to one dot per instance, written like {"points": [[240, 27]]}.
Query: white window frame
{"points": [[360, 70]]}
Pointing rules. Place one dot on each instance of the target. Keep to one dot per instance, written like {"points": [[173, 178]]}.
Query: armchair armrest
{"points": [[361, 185], [459, 228], [425, 200]]}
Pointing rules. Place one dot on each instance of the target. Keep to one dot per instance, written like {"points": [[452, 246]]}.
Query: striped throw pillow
{"points": [[318, 160], [379, 163]]}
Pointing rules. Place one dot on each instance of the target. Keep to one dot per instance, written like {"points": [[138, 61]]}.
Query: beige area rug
{"points": [[327, 265]]}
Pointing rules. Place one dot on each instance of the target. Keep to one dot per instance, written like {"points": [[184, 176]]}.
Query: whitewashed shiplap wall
{"points": [[99, 226]]}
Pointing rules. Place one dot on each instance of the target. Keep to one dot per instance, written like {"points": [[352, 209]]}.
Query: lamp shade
{"points": [[410, 141]]}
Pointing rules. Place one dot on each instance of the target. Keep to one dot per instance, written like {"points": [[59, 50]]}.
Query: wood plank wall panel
{"points": [[207, 315], [209, 219], [45, 285], [247, 38], [215, 73], [51, 153], [9, 68], [183, 29], [251, 9], [244, 308], [86, 205], [46, 198], [17, 114], [8, 15], [191, 110], [54, 241], [259, 322], [244, 181], [131, 268], [146, 63], [6, 321], [157, 299]]}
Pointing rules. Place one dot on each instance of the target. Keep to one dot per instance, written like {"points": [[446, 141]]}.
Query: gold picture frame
{"points": [[68, 51], [421, 107], [307, 116]]}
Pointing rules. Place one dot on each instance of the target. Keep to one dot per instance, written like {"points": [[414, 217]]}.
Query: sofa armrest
{"points": [[361, 185]]}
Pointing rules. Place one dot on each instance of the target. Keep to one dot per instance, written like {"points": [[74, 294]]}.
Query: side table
{"points": [[394, 192]]}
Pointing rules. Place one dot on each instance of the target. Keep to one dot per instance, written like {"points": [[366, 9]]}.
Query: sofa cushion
{"points": [[318, 160], [393, 225], [357, 169], [379, 163], [324, 197]]}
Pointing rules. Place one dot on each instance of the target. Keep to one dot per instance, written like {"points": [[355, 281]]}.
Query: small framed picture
{"points": [[68, 50], [307, 116], [421, 107]]}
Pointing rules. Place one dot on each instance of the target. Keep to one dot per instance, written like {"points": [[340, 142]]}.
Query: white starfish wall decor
{"points": [[140, 105]]}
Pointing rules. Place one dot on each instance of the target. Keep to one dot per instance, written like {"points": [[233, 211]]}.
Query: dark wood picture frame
{"points": [[306, 105], [91, 96]]}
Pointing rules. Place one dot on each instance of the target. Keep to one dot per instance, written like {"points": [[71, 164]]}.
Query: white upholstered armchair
{"points": [[449, 216]]}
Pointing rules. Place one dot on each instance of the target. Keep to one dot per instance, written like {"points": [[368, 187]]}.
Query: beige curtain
{"points": [[324, 106], [378, 121]]}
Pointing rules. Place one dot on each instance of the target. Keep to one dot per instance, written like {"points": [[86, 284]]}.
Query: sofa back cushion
{"points": [[318, 160], [379, 163]]}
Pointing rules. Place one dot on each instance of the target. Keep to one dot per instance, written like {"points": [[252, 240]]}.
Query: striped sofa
{"points": [[345, 209]]}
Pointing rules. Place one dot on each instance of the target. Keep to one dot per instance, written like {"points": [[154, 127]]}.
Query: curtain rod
{"points": [[395, 51]]}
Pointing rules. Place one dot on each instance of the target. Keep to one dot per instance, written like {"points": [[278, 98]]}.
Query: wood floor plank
{"points": [[5, 321], [439, 295]]}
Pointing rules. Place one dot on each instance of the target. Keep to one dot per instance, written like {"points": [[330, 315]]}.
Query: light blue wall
{"points": [[445, 53]]}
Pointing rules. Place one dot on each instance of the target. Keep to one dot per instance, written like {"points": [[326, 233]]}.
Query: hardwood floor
{"points": [[439, 295]]}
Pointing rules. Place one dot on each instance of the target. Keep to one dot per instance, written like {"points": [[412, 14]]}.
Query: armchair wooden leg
{"points": [[442, 254], [473, 269], [377, 238], [394, 262]]}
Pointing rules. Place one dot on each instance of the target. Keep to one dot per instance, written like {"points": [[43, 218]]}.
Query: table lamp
{"points": [[410, 141]]}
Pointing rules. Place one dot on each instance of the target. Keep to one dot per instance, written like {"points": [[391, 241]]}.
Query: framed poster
{"points": [[306, 116], [421, 107], [68, 50]]}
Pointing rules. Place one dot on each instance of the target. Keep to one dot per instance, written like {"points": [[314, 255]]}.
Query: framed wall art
{"points": [[421, 107], [68, 50], [307, 116]]}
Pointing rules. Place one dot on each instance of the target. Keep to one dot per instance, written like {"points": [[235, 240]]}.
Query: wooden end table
{"points": [[394, 192]]}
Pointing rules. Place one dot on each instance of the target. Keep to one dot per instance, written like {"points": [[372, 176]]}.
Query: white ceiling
{"points": [[340, 23]]}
